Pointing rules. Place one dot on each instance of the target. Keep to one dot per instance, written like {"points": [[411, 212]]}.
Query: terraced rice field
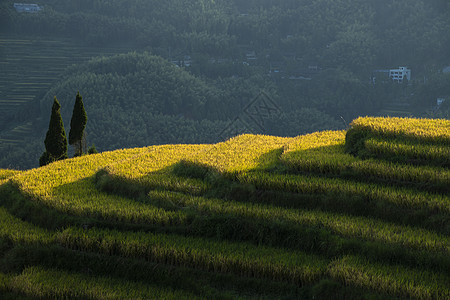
{"points": [[29, 67], [252, 217]]}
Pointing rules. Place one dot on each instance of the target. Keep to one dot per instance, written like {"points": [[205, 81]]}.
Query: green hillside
{"points": [[319, 61], [30, 66], [139, 99], [255, 216]]}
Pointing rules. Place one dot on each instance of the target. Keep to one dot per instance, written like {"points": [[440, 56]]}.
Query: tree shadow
{"points": [[195, 183], [334, 161], [194, 178], [226, 188]]}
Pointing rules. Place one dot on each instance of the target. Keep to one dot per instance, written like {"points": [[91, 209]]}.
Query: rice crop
{"points": [[17, 230], [305, 184], [227, 257], [69, 188], [411, 141], [244, 207], [238, 154], [392, 279], [432, 130], [409, 152], [5, 174], [333, 160], [343, 225], [50, 283], [317, 140]]}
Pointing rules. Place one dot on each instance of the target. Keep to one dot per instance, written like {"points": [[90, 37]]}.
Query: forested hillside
{"points": [[315, 60], [357, 214]]}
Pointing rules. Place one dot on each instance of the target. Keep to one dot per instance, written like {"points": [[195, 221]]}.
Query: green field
{"points": [[252, 217]]}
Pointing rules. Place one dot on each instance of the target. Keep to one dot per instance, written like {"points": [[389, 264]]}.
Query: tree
{"points": [[77, 125], [55, 139]]}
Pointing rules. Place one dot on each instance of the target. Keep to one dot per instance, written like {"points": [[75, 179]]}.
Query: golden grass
{"points": [[69, 186], [5, 174], [429, 129]]}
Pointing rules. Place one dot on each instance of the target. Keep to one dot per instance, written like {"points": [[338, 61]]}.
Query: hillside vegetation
{"points": [[139, 99], [254, 216], [315, 59]]}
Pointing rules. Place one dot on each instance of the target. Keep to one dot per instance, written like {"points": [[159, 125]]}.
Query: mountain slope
{"points": [[138, 99], [254, 216]]}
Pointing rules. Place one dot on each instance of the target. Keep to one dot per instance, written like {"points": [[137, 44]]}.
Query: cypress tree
{"points": [[77, 125], [55, 139]]}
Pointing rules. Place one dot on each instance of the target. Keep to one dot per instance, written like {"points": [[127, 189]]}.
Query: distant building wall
{"points": [[400, 74], [27, 7]]}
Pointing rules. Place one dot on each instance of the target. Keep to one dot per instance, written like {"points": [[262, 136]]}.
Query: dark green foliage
{"points": [[92, 150], [326, 289], [354, 141], [55, 139], [185, 168], [77, 125], [14, 296], [45, 159]]}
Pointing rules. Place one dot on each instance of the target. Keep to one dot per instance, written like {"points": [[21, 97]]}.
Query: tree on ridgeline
{"points": [[55, 139], [77, 125]]}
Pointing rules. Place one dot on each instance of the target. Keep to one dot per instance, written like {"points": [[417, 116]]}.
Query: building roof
{"points": [[27, 7]]}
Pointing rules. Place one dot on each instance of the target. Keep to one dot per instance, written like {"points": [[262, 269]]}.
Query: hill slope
{"points": [[254, 216], [138, 99]]}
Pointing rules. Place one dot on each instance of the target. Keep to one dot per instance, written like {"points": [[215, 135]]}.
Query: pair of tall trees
{"points": [[56, 140]]}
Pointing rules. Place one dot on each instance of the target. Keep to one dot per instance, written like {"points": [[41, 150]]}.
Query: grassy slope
{"points": [[255, 216]]}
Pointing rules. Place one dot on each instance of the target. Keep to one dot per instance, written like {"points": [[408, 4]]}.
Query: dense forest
{"points": [[200, 68]]}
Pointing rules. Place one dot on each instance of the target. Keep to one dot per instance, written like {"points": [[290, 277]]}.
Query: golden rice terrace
{"points": [[354, 214]]}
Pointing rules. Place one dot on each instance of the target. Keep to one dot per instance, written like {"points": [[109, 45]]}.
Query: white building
{"points": [[27, 7], [400, 74]]}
